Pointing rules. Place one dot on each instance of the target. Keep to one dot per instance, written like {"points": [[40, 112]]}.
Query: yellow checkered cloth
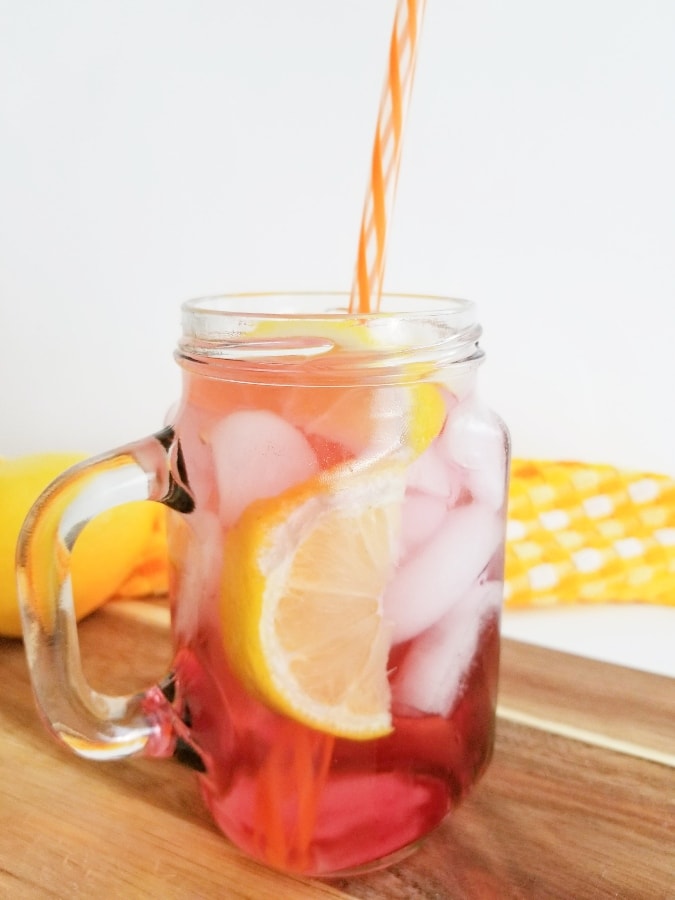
{"points": [[580, 533]]}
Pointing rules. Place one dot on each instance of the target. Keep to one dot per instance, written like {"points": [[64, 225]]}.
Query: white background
{"points": [[153, 150]]}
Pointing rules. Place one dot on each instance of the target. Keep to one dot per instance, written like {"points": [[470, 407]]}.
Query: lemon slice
{"points": [[343, 333], [427, 415], [301, 611]]}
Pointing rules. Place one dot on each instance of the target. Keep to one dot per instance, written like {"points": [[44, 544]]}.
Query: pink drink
{"points": [[292, 796]]}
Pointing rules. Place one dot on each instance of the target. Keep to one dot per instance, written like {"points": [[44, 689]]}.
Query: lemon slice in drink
{"points": [[427, 416], [342, 333], [301, 612]]}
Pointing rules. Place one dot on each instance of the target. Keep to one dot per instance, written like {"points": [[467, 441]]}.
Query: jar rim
{"points": [[306, 305], [259, 329]]}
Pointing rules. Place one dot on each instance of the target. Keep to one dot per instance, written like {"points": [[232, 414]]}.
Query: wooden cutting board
{"points": [[579, 801]]}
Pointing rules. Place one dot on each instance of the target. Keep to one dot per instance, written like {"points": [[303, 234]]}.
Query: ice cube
{"points": [[428, 584], [421, 517], [431, 474], [473, 438], [257, 454], [432, 673], [337, 415]]}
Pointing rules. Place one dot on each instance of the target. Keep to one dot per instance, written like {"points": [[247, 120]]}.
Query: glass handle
{"points": [[92, 724]]}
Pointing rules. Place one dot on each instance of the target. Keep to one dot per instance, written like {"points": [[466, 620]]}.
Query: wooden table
{"points": [[579, 800]]}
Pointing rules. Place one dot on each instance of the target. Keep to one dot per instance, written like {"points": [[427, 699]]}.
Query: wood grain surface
{"points": [[555, 816], [629, 711]]}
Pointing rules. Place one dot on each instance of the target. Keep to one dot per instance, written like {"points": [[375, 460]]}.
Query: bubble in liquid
{"points": [[473, 439], [421, 517]]}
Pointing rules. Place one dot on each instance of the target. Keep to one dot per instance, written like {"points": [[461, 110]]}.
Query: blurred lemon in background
{"points": [[120, 552]]}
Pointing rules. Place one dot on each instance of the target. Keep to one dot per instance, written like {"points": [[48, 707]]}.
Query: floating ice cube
{"points": [[428, 584], [421, 517], [257, 454], [473, 438], [431, 474], [432, 673], [367, 422], [339, 415]]}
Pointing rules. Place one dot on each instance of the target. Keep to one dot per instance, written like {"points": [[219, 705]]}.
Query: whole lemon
{"points": [[124, 546], [21, 482]]}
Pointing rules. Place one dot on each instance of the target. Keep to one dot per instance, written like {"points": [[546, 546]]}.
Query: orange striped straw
{"points": [[379, 203]]}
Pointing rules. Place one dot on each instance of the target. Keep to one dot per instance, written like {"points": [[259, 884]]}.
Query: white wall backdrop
{"points": [[152, 150]]}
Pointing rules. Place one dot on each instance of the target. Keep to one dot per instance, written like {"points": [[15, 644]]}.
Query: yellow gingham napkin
{"points": [[581, 533], [577, 533]]}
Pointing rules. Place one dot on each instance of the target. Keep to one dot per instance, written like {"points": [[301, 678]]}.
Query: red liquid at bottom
{"points": [[304, 801]]}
